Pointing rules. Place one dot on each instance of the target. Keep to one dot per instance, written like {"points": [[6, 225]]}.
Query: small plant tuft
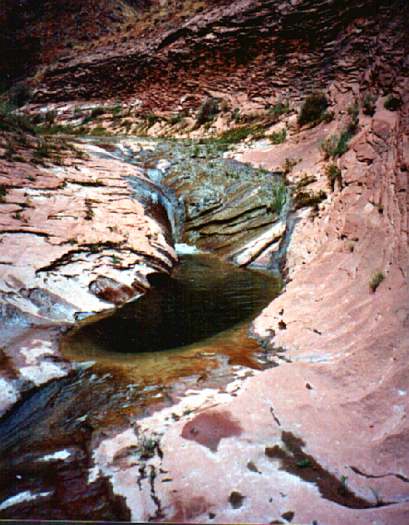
{"points": [[313, 109], [353, 112], [393, 103], [278, 137], [279, 197], [42, 150], [289, 164], [151, 119], [376, 280], [281, 107], [333, 174], [336, 145], [234, 135], [207, 111], [148, 447]]}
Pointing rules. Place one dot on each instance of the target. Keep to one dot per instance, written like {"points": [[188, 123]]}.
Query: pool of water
{"points": [[203, 297], [189, 333]]}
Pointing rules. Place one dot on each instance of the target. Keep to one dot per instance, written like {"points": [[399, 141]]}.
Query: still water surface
{"points": [[187, 334]]}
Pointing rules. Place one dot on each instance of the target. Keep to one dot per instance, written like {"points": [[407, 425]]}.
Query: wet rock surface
{"points": [[74, 241], [220, 204]]}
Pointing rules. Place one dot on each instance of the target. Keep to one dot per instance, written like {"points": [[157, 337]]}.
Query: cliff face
{"points": [[262, 49], [34, 33]]}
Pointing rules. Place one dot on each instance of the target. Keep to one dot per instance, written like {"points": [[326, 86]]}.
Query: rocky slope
{"points": [[259, 49]]}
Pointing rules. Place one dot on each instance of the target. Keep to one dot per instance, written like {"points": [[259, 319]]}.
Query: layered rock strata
{"points": [[75, 240], [261, 48]]}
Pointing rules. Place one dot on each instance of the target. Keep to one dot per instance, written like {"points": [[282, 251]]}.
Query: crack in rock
{"points": [[295, 461]]}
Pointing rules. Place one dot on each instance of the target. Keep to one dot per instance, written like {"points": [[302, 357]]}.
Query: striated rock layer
{"points": [[75, 240], [258, 48]]}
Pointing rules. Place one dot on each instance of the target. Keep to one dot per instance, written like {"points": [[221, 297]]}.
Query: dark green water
{"points": [[188, 333], [202, 298]]}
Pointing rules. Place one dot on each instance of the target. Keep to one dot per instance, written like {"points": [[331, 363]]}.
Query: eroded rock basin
{"points": [[187, 336]]}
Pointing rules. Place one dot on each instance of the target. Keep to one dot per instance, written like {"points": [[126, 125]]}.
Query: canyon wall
{"points": [[262, 49], [322, 436]]}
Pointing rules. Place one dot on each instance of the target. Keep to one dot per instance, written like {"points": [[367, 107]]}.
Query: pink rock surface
{"points": [[323, 436], [73, 225], [74, 240]]}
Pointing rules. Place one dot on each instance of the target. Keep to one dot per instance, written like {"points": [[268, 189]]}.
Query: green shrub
{"points": [[278, 137], [353, 112], [151, 119], [279, 108], [232, 136], [333, 174], [279, 196], [236, 115], [393, 103], [369, 105], [117, 109], [376, 280], [42, 150], [289, 164], [313, 108], [336, 145], [207, 111]]}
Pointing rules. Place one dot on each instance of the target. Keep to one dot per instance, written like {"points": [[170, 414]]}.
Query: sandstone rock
{"points": [[255, 247], [75, 240], [325, 432], [204, 52]]}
